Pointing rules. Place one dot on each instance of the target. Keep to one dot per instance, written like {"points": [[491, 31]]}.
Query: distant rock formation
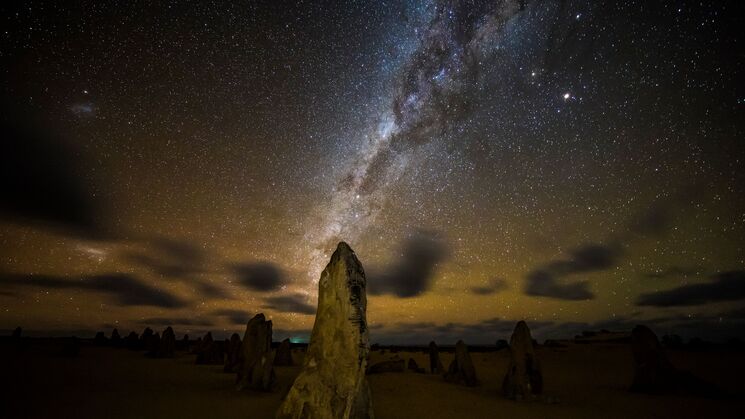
{"points": [[183, 344], [167, 347], [655, 374], [116, 339], [414, 367], [435, 365], [391, 365], [332, 383], [132, 341], [154, 351], [524, 379], [232, 353], [146, 340], [100, 339], [283, 357], [461, 370], [256, 370], [209, 352], [502, 344]]}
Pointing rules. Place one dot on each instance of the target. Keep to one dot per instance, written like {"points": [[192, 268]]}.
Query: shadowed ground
{"points": [[589, 380]]}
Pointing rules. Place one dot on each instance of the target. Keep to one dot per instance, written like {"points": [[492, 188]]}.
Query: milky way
{"points": [[432, 88], [574, 163]]}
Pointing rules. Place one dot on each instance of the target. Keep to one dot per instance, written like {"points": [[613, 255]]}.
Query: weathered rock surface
{"points": [[332, 383], [233, 353], [256, 370], [524, 379], [655, 374], [284, 354], [461, 370], [435, 365]]}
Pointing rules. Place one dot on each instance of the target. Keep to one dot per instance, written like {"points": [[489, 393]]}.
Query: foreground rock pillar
{"points": [[524, 379], [461, 370], [332, 383], [256, 369]]}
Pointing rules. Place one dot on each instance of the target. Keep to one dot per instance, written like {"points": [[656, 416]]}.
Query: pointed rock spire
{"points": [[332, 383], [256, 369], [524, 379]]}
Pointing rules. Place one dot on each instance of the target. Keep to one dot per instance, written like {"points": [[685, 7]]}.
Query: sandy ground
{"points": [[589, 380]]}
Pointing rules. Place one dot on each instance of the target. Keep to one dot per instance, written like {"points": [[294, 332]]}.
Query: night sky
{"points": [[578, 164]]}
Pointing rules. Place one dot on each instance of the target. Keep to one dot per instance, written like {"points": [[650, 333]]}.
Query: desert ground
{"points": [[581, 381]]}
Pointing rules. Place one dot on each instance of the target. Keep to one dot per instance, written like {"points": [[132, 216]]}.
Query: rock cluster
{"points": [[208, 351], [655, 374]]}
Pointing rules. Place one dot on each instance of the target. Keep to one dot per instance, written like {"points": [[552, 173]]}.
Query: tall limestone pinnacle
{"points": [[332, 383]]}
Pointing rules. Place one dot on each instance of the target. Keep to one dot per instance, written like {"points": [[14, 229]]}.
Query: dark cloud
{"points": [[178, 259], [657, 219], [235, 316], [170, 258], [544, 284], [124, 289], [295, 303], [174, 321], [546, 281], [40, 178], [259, 276], [725, 286], [412, 273], [494, 286]]}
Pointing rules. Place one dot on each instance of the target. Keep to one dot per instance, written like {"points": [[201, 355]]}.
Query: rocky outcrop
{"points": [[414, 367], [655, 374], [132, 341], [256, 370], [435, 365], [284, 354], [116, 339], [167, 344], [461, 370], [233, 353], [209, 352], [332, 382], [524, 379], [100, 339]]}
